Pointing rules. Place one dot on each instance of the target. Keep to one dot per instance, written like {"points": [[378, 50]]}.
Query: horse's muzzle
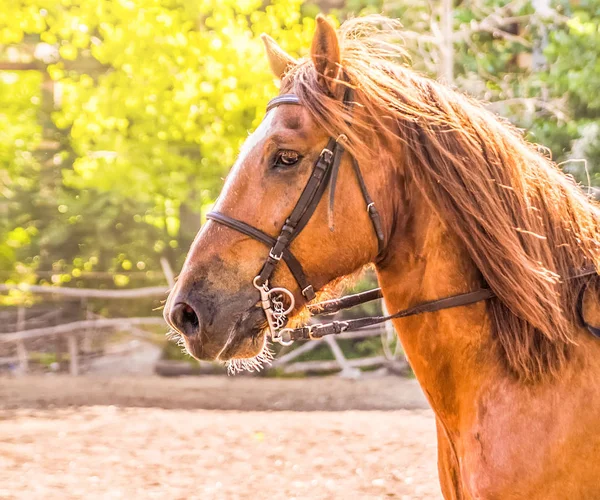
{"points": [[216, 326]]}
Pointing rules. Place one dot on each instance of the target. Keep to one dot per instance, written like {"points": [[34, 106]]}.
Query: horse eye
{"points": [[286, 158]]}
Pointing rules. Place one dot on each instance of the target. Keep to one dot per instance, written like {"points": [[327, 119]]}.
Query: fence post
{"points": [[348, 371], [21, 349], [86, 341], [168, 271], [73, 355]]}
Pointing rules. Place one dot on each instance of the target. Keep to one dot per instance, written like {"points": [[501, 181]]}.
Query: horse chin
{"points": [[251, 361], [244, 346], [248, 349]]}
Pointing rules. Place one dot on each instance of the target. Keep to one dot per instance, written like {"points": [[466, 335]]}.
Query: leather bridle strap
{"points": [[335, 305], [293, 265], [371, 209], [313, 332]]}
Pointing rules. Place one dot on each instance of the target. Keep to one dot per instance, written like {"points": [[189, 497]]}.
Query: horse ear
{"points": [[325, 54], [279, 60]]}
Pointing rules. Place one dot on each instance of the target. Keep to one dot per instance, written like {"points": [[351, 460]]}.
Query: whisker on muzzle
{"points": [[254, 364], [174, 336]]}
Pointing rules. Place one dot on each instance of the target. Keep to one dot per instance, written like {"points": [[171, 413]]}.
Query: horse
{"points": [[464, 202]]}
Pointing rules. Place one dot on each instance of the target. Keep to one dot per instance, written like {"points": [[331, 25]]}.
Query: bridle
{"points": [[324, 173], [272, 300]]}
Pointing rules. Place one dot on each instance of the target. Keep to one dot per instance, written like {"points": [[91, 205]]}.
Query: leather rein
{"points": [[278, 302]]}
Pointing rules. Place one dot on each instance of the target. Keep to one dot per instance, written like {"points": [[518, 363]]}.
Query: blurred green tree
{"points": [[110, 149], [132, 111], [536, 62]]}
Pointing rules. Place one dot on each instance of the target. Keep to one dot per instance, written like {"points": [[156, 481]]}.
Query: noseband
{"points": [[278, 302], [324, 173]]}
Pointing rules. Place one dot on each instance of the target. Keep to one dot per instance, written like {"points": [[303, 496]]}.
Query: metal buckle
{"points": [[281, 337], [343, 326], [288, 332], [342, 138], [275, 257], [257, 286], [325, 152], [370, 206], [273, 306], [309, 288]]}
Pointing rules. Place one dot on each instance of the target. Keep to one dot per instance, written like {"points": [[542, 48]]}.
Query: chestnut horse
{"points": [[465, 203]]}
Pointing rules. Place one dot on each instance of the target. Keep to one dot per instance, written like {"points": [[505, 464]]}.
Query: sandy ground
{"points": [[215, 438]]}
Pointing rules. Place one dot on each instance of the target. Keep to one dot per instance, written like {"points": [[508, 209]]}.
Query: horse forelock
{"points": [[525, 224]]}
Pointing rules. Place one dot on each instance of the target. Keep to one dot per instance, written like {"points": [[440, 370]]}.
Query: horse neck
{"points": [[450, 350]]}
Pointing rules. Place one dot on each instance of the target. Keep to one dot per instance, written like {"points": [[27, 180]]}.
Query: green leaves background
{"points": [[119, 137]]}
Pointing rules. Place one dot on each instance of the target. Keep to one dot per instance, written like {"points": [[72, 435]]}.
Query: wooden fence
{"points": [[74, 330]]}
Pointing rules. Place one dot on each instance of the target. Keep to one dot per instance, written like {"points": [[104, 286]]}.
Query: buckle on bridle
{"points": [[327, 154], [342, 139], [308, 292], [284, 337], [275, 257]]}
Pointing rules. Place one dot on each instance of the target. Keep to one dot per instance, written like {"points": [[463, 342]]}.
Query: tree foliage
{"points": [[536, 62], [152, 99], [110, 149]]}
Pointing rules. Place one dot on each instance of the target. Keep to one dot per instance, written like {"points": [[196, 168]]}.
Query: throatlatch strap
{"points": [[371, 209], [337, 159]]}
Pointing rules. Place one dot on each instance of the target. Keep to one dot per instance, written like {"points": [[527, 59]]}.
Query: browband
{"points": [[283, 99]]}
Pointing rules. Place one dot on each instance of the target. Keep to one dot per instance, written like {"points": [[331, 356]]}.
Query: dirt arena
{"points": [[215, 438]]}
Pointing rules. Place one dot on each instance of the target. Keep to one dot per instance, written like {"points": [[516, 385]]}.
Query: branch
{"points": [[492, 26], [419, 37]]}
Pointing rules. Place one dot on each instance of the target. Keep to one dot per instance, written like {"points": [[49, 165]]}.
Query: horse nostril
{"points": [[184, 318]]}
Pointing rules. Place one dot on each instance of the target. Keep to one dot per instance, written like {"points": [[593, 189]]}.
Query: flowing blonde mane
{"points": [[526, 225]]}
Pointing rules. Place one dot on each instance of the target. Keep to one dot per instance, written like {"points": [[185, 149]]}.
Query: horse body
{"points": [[465, 203], [497, 437]]}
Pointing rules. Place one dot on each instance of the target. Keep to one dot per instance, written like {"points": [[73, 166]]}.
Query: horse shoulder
{"points": [[536, 442]]}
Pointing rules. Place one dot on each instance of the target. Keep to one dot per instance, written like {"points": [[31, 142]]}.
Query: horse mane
{"points": [[525, 224]]}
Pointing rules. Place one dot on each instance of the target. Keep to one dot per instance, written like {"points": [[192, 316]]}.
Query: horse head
{"points": [[215, 305]]}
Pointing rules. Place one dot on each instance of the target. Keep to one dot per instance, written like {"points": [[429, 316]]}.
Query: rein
{"points": [[314, 332], [318, 331], [273, 300]]}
